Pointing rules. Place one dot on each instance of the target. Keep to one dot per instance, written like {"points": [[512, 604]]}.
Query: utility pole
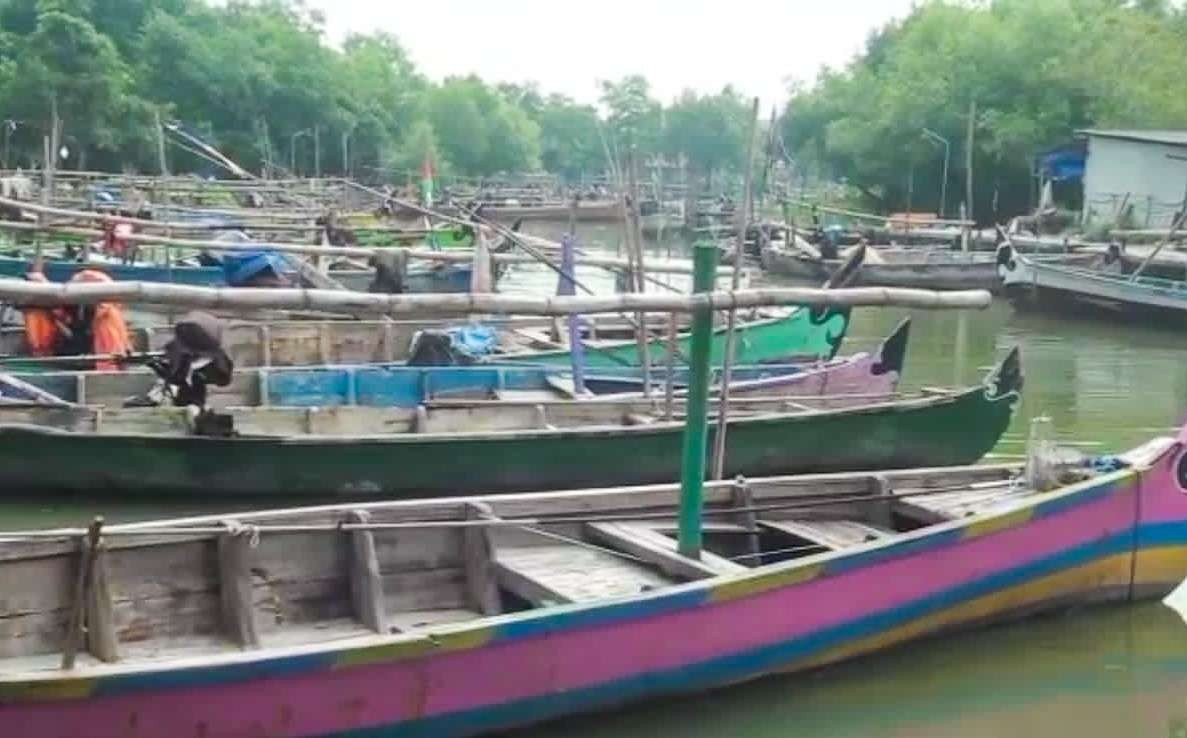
{"points": [[968, 159], [317, 152], [929, 133], [161, 161]]}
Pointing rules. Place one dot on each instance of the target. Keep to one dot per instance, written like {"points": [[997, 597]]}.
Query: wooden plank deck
{"points": [[561, 572], [831, 534]]}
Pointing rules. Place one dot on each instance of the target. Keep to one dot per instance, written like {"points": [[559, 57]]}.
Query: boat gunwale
{"points": [[919, 403]]}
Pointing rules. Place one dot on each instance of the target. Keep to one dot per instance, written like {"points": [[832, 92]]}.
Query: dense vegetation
{"points": [[257, 78], [1037, 69]]}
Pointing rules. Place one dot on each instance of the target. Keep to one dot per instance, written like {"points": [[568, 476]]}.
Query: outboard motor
{"points": [[191, 362]]}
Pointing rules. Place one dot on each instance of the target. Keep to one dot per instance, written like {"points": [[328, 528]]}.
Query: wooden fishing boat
{"points": [[433, 278], [1031, 284], [852, 380], [801, 334], [938, 269], [469, 616], [449, 447], [793, 336], [584, 211]]}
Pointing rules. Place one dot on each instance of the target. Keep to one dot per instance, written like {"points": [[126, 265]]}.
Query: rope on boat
{"points": [[620, 514]]}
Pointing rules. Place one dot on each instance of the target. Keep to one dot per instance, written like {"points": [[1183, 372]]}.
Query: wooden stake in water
{"points": [[696, 425], [566, 285], [732, 320]]}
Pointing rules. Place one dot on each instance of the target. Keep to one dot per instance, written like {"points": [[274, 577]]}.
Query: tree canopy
{"points": [[1038, 70], [258, 80]]}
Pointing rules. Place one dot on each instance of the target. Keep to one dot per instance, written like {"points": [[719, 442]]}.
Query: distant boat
{"points": [[937, 269], [445, 448], [1034, 285], [853, 380], [452, 277], [472, 616]]}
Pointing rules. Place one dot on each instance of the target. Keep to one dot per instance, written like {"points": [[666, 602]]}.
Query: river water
{"points": [[1118, 672]]}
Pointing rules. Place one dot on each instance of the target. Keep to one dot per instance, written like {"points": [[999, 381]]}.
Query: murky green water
{"points": [[1114, 673], [1104, 673]]}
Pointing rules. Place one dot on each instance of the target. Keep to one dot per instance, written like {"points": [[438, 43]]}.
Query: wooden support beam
{"points": [[235, 590], [478, 554], [444, 305], [82, 583], [660, 551], [881, 511], [366, 584], [742, 497], [100, 610]]}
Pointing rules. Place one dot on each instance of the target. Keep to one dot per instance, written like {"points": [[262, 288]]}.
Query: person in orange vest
{"points": [[43, 332], [103, 322]]}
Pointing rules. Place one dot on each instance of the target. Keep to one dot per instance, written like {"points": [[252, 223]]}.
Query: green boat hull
{"points": [[953, 429], [803, 335]]}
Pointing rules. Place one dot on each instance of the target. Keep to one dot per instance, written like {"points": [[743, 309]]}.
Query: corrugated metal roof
{"points": [[1171, 137]]}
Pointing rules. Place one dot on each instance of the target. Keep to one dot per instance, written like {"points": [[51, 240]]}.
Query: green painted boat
{"points": [[802, 334], [462, 448]]}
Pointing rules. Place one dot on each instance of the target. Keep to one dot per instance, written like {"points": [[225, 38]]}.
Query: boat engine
{"points": [[190, 363]]}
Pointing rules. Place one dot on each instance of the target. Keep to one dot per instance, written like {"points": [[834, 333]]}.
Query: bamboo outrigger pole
{"points": [[460, 256], [22, 292], [732, 320]]}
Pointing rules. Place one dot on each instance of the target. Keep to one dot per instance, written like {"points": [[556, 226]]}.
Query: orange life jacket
{"points": [[41, 330], [109, 330]]}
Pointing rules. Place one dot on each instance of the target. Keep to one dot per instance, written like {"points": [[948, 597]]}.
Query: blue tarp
{"points": [[1063, 163], [239, 268]]}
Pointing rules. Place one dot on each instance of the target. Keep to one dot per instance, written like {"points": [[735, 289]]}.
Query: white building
{"points": [[1145, 169]]}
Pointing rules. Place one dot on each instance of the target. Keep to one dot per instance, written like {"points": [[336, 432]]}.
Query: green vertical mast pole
{"points": [[696, 425]]}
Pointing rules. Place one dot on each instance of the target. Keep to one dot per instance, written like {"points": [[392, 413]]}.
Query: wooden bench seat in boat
{"points": [[644, 541], [831, 534], [565, 572]]}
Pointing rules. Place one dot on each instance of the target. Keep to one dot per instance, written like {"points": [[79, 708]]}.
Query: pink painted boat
{"points": [[462, 616]]}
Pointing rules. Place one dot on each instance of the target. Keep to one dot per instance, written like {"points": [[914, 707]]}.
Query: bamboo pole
{"points": [[456, 256], [871, 216], [732, 318], [22, 292], [638, 274], [1161, 245]]}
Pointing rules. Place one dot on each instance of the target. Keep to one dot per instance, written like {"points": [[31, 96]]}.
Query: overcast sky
{"points": [[757, 45]]}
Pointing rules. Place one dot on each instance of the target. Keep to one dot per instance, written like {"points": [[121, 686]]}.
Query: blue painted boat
{"points": [[432, 278]]}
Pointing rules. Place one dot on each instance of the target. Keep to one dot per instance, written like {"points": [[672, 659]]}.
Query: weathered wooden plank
{"points": [[366, 585], [235, 586], [881, 511], [74, 628], [831, 534], [100, 616], [655, 548], [561, 572], [477, 549], [742, 497]]}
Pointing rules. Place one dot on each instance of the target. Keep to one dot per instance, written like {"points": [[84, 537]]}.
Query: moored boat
{"points": [[408, 618], [856, 379], [434, 278], [791, 336], [447, 447], [938, 269], [1034, 285]]}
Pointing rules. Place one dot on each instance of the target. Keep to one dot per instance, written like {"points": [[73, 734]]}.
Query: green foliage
{"points": [[1037, 69], [256, 78], [708, 130]]}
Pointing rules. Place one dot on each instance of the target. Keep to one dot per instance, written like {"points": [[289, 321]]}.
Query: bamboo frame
{"points": [[39, 293]]}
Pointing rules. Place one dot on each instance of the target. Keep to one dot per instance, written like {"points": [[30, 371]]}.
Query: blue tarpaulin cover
{"points": [[239, 268], [1063, 163]]}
